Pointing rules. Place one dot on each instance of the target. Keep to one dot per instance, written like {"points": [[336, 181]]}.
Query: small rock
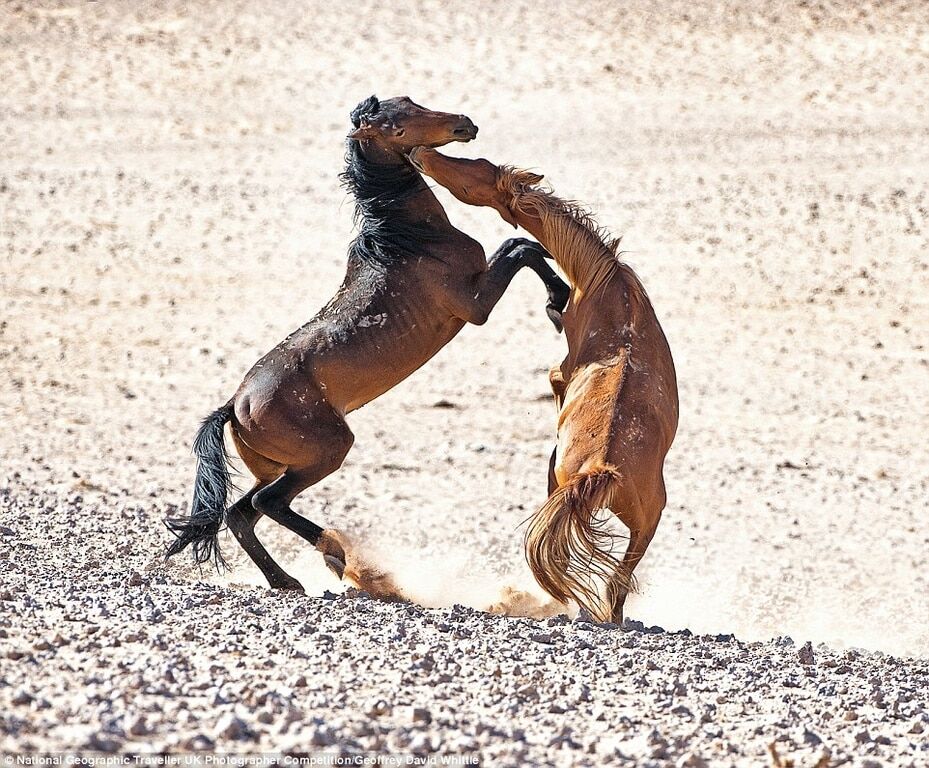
{"points": [[101, 742], [135, 579], [421, 715], [528, 692], [805, 654], [542, 637], [379, 708], [298, 681], [197, 743], [691, 760], [323, 737], [863, 736], [137, 726], [231, 727], [22, 696], [805, 736], [420, 744]]}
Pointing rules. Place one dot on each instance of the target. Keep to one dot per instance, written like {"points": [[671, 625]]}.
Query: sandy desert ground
{"points": [[170, 209]]}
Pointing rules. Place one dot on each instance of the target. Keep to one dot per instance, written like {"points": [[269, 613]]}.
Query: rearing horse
{"points": [[616, 392], [412, 282]]}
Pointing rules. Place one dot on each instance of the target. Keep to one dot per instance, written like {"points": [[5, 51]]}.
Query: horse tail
{"points": [[211, 491], [570, 551]]}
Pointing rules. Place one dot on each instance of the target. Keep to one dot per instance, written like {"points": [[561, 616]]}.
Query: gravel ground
{"points": [[170, 209], [116, 659]]}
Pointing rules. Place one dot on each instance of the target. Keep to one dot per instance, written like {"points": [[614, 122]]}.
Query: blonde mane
{"points": [[584, 250]]}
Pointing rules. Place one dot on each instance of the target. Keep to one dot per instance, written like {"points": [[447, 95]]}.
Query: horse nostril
{"points": [[466, 129]]}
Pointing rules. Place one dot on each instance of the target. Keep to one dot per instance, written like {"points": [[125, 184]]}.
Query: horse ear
{"points": [[529, 178], [362, 132]]}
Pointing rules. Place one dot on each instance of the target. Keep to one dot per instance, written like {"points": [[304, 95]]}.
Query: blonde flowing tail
{"points": [[570, 551]]}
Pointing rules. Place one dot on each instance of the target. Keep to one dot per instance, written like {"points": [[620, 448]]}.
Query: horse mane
{"points": [[381, 190], [581, 246]]}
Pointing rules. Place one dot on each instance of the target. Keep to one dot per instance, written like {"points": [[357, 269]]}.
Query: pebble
{"points": [[421, 715], [805, 654], [137, 726], [691, 760], [806, 736], [228, 726]]}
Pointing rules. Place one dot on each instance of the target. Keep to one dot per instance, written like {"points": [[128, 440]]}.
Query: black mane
{"points": [[385, 232]]}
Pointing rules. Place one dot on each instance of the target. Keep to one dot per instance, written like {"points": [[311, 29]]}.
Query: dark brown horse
{"points": [[412, 283], [616, 392]]}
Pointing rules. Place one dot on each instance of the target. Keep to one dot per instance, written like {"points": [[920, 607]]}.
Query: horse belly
{"points": [[382, 359]]}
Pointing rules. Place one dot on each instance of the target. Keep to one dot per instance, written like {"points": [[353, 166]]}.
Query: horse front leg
{"points": [[477, 298]]}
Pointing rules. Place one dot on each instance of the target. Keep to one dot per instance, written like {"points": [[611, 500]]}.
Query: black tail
{"points": [[211, 491]]}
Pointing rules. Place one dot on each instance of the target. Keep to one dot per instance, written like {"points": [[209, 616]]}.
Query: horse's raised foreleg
{"points": [[476, 299]]}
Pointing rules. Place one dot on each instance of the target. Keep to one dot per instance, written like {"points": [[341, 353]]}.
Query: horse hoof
{"points": [[335, 565], [555, 316], [331, 546], [291, 585]]}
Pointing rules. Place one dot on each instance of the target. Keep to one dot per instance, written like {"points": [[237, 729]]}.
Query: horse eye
{"points": [[399, 132]]}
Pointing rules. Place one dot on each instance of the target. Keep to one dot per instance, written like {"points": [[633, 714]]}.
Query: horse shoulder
{"points": [[462, 254]]}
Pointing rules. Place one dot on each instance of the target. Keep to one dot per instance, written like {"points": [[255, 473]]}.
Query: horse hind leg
{"points": [[318, 458], [242, 517], [618, 587]]}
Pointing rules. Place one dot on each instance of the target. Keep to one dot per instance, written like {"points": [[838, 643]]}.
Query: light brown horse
{"points": [[411, 284], [616, 392]]}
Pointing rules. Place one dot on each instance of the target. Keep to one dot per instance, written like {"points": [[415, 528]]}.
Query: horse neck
{"points": [[416, 202], [576, 248]]}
